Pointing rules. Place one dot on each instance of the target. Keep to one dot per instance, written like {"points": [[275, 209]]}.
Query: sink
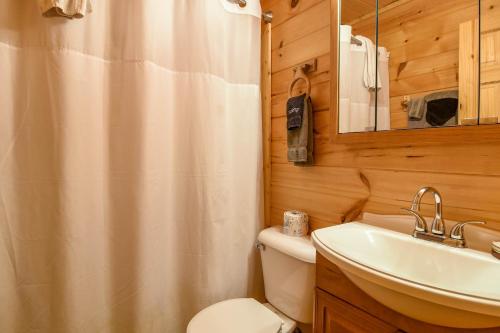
{"points": [[426, 281]]}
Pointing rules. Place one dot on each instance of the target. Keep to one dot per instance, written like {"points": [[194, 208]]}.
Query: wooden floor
{"points": [[380, 179]]}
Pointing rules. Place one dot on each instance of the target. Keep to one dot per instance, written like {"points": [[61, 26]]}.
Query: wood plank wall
{"points": [[380, 178], [423, 39]]}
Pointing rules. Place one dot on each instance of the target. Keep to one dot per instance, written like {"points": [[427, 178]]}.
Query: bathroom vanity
{"points": [[342, 307], [372, 278], [420, 51]]}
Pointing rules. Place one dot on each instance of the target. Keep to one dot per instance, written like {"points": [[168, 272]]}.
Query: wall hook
{"points": [[307, 66]]}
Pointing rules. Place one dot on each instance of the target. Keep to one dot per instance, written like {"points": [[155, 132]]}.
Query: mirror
{"points": [[411, 64], [490, 62]]}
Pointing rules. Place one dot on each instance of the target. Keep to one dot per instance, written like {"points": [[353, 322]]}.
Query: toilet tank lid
{"points": [[298, 247]]}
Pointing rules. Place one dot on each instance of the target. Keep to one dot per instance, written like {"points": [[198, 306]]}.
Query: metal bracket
{"points": [[267, 16], [405, 102], [260, 246], [307, 66]]}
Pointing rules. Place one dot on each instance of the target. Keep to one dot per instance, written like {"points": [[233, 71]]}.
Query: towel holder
{"points": [[300, 74], [405, 102]]}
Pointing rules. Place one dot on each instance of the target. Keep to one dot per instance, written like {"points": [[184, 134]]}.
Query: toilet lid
{"points": [[243, 315]]}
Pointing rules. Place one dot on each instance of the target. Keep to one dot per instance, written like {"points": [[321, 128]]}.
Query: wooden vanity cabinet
{"points": [[341, 307]]}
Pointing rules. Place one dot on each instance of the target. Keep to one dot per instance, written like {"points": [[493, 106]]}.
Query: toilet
{"points": [[288, 264]]}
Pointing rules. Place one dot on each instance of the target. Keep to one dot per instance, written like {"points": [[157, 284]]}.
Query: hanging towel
{"points": [[301, 139], [370, 78], [416, 108], [65, 8], [295, 111], [422, 123], [441, 95], [437, 109]]}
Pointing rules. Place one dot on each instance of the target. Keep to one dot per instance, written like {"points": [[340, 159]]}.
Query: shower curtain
{"points": [[130, 164], [356, 102], [357, 111]]}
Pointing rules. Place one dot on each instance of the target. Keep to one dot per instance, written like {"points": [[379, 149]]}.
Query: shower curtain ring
{"points": [[241, 3]]}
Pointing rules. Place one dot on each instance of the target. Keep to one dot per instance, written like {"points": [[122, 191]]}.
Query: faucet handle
{"points": [[457, 232], [495, 249], [420, 223]]}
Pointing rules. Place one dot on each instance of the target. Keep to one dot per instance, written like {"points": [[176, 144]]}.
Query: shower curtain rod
{"points": [[267, 16], [356, 41]]}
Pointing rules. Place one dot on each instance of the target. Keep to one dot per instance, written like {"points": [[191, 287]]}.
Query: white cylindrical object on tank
{"points": [[295, 223]]}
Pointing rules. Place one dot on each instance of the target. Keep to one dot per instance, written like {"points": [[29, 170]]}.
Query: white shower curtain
{"points": [[356, 102], [383, 98], [130, 164]]}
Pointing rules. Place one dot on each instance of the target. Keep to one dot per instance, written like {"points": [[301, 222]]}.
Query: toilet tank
{"points": [[289, 265]]}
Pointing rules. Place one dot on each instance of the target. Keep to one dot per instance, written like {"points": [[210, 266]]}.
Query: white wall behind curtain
{"points": [[130, 164]]}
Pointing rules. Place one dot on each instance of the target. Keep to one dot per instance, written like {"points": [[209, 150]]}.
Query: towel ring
{"points": [[300, 75]]}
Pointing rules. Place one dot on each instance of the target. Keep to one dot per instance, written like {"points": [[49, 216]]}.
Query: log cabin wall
{"points": [[370, 176]]}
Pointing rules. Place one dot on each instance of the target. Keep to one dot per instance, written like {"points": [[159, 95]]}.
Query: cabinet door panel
{"points": [[336, 316]]}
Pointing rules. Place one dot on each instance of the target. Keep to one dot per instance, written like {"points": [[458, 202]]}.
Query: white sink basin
{"points": [[427, 281]]}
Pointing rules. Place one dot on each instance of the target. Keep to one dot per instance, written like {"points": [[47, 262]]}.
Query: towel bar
{"points": [[355, 41], [300, 73]]}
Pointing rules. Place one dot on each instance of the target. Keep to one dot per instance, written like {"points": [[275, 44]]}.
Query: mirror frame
{"points": [[438, 135]]}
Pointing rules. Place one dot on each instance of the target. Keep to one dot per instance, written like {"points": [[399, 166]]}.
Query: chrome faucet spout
{"points": [[438, 226]]}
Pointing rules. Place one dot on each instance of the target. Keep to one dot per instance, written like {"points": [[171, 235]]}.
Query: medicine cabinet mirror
{"points": [[416, 64]]}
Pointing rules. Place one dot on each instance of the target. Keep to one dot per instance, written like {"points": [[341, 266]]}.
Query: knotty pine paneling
{"points": [[382, 178]]}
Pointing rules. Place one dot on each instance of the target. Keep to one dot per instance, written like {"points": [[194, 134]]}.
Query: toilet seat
{"points": [[243, 315]]}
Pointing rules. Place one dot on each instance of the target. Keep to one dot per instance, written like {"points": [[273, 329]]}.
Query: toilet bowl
{"points": [[288, 264], [243, 315]]}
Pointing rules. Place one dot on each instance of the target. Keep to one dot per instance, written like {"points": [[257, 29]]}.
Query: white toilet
{"points": [[288, 264]]}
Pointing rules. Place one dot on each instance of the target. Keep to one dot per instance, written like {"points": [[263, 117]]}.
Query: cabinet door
{"points": [[336, 316]]}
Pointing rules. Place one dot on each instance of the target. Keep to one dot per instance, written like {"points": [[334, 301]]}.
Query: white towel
{"points": [[369, 72], [383, 99], [65, 8]]}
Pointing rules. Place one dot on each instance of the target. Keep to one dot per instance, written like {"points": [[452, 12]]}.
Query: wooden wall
{"points": [[379, 178]]}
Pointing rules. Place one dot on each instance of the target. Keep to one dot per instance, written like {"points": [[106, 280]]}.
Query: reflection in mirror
{"points": [[357, 65], [490, 62], [432, 67], [427, 64]]}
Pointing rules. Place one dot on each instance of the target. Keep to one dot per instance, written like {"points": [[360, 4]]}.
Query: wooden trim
{"points": [[266, 117], [334, 66], [405, 137], [396, 137]]}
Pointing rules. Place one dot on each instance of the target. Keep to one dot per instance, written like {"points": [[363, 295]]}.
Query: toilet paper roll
{"points": [[295, 223]]}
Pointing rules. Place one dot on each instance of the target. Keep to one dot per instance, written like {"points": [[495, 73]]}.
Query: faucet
{"points": [[438, 228], [457, 232]]}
